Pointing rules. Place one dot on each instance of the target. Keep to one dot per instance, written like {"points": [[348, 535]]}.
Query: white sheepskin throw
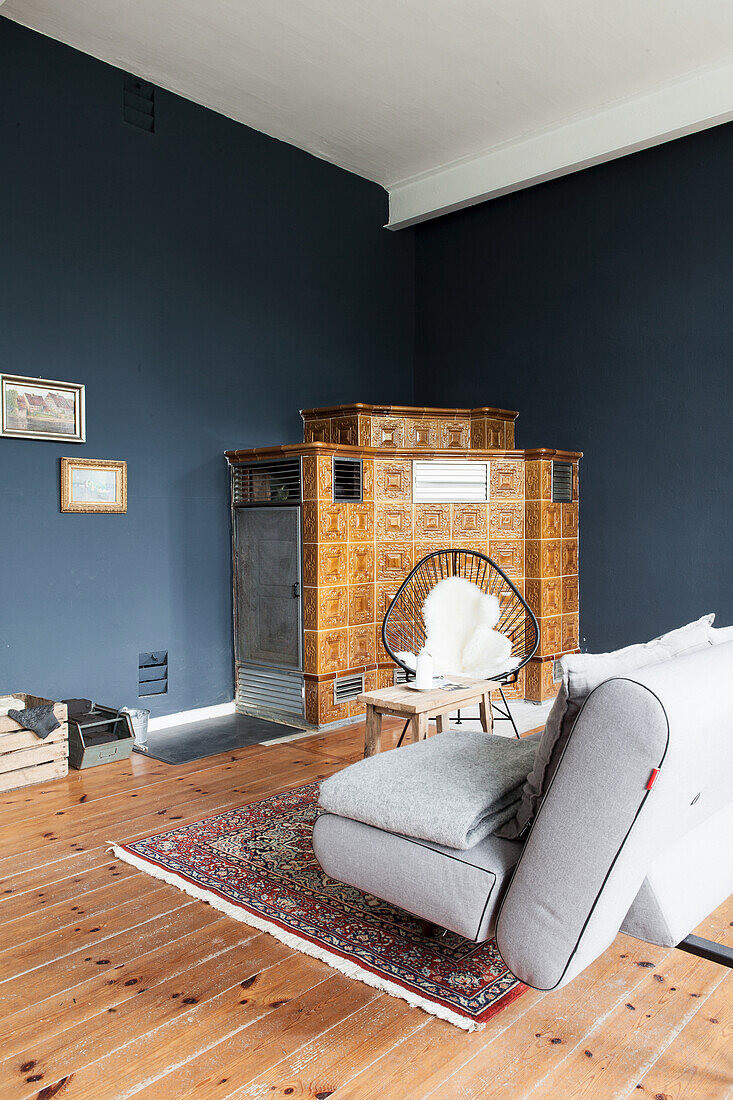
{"points": [[459, 622]]}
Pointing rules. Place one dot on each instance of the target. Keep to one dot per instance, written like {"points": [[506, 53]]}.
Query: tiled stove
{"points": [[331, 566]]}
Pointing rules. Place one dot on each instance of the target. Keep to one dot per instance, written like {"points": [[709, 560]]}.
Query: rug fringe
{"points": [[349, 969]]}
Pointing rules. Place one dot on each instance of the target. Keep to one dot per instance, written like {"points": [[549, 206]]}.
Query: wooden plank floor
{"points": [[114, 985]]}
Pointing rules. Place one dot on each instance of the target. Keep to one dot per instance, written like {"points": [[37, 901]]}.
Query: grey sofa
{"points": [[634, 833]]}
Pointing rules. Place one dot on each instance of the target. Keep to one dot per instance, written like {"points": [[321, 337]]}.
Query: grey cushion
{"points": [[456, 890], [600, 831], [582, 672], [454, 788]]}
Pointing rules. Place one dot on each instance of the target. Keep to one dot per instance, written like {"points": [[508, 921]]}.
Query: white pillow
{"points": [[722, 634], [582, 672]]}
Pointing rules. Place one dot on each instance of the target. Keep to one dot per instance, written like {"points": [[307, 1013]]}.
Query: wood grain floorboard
{"points": [[115, 985]]}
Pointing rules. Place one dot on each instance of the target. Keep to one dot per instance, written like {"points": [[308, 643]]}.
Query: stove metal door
{"points": [[269, 619]]}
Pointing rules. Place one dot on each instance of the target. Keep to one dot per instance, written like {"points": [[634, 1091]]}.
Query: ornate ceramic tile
{"points": [[324, 521], [332, 607], [310, 483], [478, 435], [365, 431], [394, 561], [544, 596], [393, 480], [538, 682], [455, 435], [469, 522], [361, 604], [393, 521], [367, 482], [432, 521], [310, 608], [310, 651], [385, 594], [325, 477], [569, 557], [328, 710], [317, 431], [542, 559], [550, 635], [569, 520], [361, 563], [507, 479], [324, 564], [506, 520], [508, 555], [570, 632], [421, 433], [422, 549], [345, 431], [361, 646], [388, 433], [311, 702], [569, 594], [361, 522], [332, 653], [495, 435], [538, 480]]}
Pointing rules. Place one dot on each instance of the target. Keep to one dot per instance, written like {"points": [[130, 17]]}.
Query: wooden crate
{"points": [[24, 757]]}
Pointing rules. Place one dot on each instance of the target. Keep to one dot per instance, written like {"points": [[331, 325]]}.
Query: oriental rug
{"points": [[256, 864]]}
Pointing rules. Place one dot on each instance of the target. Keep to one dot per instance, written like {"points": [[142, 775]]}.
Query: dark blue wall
{"points": [[599, 306], [204, 283]]}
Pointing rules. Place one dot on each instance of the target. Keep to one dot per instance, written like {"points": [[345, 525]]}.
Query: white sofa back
{"points": [[608, 821]]}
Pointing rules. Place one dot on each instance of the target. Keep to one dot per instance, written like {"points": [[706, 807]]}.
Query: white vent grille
{"points": [[259, 483], [347, 687], [556, 672], [273, 690], [458, 481], [562, 482], [399, 676]]}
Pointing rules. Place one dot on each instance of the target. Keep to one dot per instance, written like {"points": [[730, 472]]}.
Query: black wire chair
{"points": [[403, 629]]}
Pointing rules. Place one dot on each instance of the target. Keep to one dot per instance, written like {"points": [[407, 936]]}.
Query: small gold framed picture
{"points": [[93, 485]]}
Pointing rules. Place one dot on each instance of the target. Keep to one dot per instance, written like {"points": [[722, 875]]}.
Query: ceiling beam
{"points": [[684, 107]]}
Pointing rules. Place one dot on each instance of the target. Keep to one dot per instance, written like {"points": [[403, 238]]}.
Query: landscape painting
{"points": [[35, 408], [93, 485]]}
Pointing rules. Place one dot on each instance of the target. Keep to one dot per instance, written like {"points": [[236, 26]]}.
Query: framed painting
{"points": [[36, 408], [93, 485]]}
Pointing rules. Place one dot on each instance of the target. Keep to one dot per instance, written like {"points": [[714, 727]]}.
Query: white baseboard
{"points": [[184, 717]]}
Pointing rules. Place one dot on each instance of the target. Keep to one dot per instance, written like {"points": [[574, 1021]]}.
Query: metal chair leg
{"points": [[402, 735], [506, 712]]}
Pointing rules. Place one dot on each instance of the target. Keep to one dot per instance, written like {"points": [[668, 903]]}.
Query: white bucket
{"points": [[139, 719]]}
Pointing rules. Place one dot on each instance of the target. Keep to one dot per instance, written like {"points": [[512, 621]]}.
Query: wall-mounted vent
{"points": [[556, 672], [347, 687], [456, 481], [152, 676], [399, 676], [347, 479], [562, 482], [277, 482], [138, 103]]}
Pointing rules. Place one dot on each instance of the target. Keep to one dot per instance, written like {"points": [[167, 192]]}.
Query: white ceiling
{"points": [[399, 90]]}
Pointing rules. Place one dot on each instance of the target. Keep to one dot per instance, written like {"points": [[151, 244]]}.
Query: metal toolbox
{"points": [[99, 736]]}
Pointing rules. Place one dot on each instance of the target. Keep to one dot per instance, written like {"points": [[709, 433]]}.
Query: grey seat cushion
{"points": [[453, 789], [582, 672], [452, 889]]}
